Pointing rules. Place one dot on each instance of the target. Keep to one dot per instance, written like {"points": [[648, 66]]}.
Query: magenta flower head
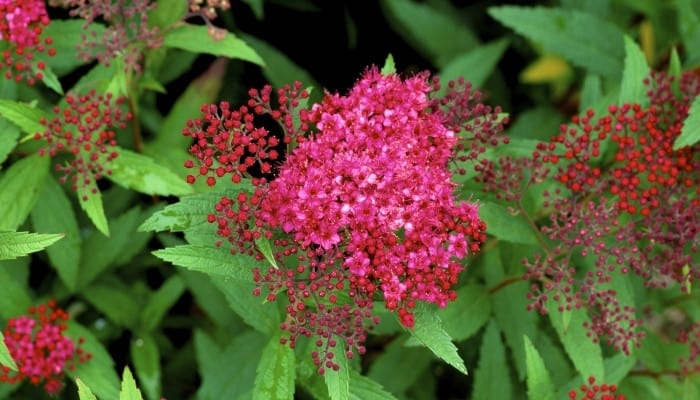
{"points": [[39, 348], [357, 198], [21, 24]]}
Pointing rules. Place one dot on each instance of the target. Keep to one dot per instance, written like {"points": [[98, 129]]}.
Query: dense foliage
{"points": [[197, 200]]}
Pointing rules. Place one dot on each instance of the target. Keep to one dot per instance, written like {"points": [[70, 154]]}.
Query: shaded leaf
{"points": [[9, 133], [161, 301], [196, 38], [97, 373], [21, 185], [476, 64], [146, 359], [364, 388], [467, 314], [255, 311], [506, 226], [53, 212], [492, 368], [279, 68], [398, 380]]}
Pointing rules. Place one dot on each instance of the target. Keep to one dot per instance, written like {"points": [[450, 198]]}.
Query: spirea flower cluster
{"points": [[22, 24], [626, 202], [40, 349], [356, 197]]}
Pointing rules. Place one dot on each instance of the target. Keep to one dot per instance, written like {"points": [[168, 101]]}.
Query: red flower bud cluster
{"points": [[592, 391], [40, 349], [85, 131], [22, 24]]}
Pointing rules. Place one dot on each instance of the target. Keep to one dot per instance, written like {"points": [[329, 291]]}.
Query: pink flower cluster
{"points": [[22, 23], [355, 195], [39, 348], [374, 181]]}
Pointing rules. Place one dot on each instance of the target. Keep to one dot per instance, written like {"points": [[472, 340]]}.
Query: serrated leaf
{"points": [[439, 44], [24, 116], [161, 301], [389, 66], [256, 311], [506, 226], [492, 367], [92, 205], [632, 88], [146, 359], [53, 212], [196, 38], [539, 384], [690, 132], [467, 314], [5, 357], [129, 391], [338, 382], [364, 388], [97, 373], [21, 185], [50, 79], [586, 355], [189, 212], [263, 245], [214, 261], [84, 392], [475, 65], [9, 133], [141, 173], [276, 372], [19, 244], [584, 39], [428, 330]]}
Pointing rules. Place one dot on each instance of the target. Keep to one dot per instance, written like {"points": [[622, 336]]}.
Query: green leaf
{"points": [[398, 380], [467, 314], [167, 13], [492, 367], [9, 133], [591, 92], [66, 33], [276, 372], [141, 173], [21, 185], [196, 38], [264, 246], [19, 244], [689, 27], [84, 392], [586, 355], [214, 261], [146, 359], [50, 79], [5, 357], [584, 39], [279, 68], [539, 384], [632, 88], [129, 391], [506, 226], [15, 297], [115, 302], [389, 65], [160, 302], [24, 116], [690, 132], [53, 212], [428, 330], [255, 311], [474, 65], [675, 70], [222, 378], [439, 44], [364, 388], [97, 373], [338, 382], [92, 205]]}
